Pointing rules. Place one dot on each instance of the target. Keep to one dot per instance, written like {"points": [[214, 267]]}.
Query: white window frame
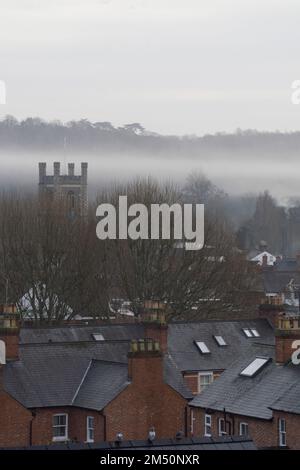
{"points": [[245, 425], [282, 432], [220, 340], [201, 374], [203, 348], [255, 366], [98, 336], [207, 424], [221, 421], [248, 333], [89, 428], [60, 438], [255, 332]]}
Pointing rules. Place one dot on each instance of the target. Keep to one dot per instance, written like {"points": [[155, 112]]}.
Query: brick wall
{"points": [[11, 340], [147, 402], [263, 432], [283, 346], [14, 422], [77, 419], [192, 380], [292, 429]]}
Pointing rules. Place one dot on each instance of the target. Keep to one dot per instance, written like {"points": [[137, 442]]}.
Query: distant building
{"points": [[264, 259], [71, 187]]}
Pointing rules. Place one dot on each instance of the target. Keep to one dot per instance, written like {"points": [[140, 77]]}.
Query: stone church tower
{"points": [[70, 187]]}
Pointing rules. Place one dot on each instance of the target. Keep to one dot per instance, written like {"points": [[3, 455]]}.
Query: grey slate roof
{"points": [[81, 333], [276, 282], [271, 388], [186, 355], [290, 401], [66, 367], [83, 374], [103, 382]]}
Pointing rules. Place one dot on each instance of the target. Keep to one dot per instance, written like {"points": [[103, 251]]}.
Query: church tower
{"points": [[72, 188]]}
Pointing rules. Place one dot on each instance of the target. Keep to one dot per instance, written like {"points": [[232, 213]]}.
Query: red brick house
{"points": [[86, 390], [257, 396], [88, 383]]}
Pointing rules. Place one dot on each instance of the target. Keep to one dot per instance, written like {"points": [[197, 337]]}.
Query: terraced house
{"points": [[90, 383], [257, 396]]}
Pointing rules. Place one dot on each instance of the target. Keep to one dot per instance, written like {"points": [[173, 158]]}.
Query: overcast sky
{"points": [[178, 67]]}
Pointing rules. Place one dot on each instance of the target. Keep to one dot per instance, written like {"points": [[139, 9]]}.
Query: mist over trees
{"points": [[36, 134], [54, 267]]}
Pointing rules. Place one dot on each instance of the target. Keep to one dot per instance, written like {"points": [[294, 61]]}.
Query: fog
{"points": [[236, 175]]}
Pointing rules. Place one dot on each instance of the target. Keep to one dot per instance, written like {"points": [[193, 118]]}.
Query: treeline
{"points": [[54, 267], [35, 134]]}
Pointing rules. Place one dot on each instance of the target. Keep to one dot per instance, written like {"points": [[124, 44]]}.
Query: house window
{"points": [[255, 332], [71, 200], [97, 336], [255, 366], [202, 347], [244, 429], [220, 340], [222, 427], [207, 425], [90, 429], [205, 379], [282, 432], [247, 333], [60, 427]]}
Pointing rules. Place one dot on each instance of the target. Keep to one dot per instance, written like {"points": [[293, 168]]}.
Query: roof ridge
{"points": [[110, 362], [91, 341], [81, 382], [217, 320]]}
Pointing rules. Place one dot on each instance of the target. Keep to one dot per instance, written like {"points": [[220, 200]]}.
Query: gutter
{"points": [[33, 414]]}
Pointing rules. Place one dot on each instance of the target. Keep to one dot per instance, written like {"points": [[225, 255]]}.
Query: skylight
{"points": [[220, 340], [254, 366], [202, 347], [255, 332], [247, 332], [98, 337]]}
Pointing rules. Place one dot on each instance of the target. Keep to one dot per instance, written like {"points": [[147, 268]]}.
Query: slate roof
{"points": [[103, 382], [192, 444], [66, 367], [81, 333], [276, 282], [289, 402], [273, 387], [186, 355], [82, 374]]}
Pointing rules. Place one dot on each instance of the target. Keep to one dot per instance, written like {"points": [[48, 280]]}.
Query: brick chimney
{"points": [[145, 362], [155, 324], [9, 331], [287, 331]]}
